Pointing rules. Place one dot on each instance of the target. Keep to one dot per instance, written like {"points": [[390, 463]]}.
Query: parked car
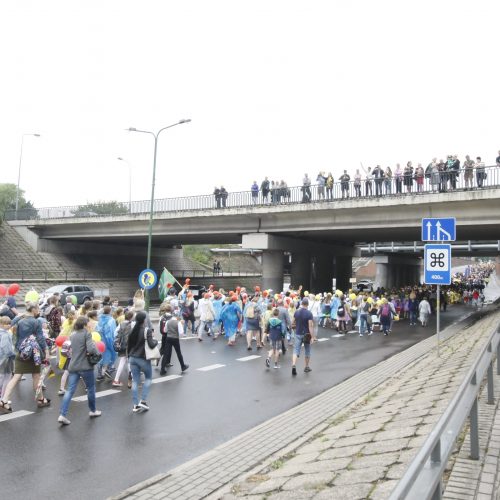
{"points": [[81, 292], [364, 286]]}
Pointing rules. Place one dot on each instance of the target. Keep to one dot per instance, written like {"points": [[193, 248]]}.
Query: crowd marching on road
{"points": [[102, 340], [438, 176]]}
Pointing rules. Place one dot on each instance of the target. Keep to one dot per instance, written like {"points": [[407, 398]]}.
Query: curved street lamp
{"points": [[129, 182], [151, 210]]}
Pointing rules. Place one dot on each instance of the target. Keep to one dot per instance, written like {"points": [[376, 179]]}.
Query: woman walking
{"points": [[138, 362], [230, 317], [25, 363], [275, 328], [80, 367]]}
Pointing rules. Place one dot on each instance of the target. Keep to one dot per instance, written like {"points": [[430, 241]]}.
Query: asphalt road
{"points": [[190, 414]]}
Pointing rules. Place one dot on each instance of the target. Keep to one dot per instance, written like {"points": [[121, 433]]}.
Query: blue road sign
{"points": [[437, 264], [439, 229], [147, 279]]}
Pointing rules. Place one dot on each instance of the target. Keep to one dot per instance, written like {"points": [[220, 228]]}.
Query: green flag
{"points": [[165, 279]]}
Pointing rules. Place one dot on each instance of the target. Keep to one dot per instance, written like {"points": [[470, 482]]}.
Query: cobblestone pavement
{"points": [[364, 451], [352, 441], [478, 479]]}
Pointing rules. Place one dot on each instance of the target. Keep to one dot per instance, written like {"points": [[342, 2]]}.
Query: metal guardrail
{"points": [[423, 478], [68, 276], [280, 196]]}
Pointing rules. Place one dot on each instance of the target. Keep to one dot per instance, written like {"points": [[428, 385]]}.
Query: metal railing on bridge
{"points": [[461, 180], [57, 275]]}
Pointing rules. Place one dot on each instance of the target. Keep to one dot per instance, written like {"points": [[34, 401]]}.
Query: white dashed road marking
{"points": [[99, 394], [322, 340], [210, 367], [248, 358], [15, 414], [165, 379]]}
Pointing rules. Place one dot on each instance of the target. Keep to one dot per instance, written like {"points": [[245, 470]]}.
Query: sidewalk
{"points": [[354, 439]]}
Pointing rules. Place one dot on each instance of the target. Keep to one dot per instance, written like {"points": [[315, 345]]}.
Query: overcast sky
{"points": [[273, 88]]}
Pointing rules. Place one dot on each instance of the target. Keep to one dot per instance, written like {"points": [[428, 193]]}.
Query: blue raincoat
{"points": [[106, 327], [230, 317]]}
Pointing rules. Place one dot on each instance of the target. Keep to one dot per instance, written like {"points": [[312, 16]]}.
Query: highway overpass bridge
{"points": [[322, 236]]}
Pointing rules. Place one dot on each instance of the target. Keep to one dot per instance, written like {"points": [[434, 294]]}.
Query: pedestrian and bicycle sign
{"points": [[439, 229], [437, 264], [147, 279]]}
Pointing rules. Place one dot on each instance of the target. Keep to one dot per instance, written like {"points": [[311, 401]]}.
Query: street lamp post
{"points": [[19, 169], [151, 210], [129, 183]]}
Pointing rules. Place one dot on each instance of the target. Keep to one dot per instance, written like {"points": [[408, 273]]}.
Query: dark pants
{"points": [[167, 344]]}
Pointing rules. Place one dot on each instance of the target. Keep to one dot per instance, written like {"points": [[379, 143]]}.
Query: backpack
{"points": [[386, 310], [66, 348], [341, 310], [250, 312], [366, 307]]}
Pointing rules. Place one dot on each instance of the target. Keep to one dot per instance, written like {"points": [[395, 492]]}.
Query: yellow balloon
{"points": [[32, 296], [378, 302], [306, 294], [352, 296], [96, 337], [369, 300], [338, 293]]}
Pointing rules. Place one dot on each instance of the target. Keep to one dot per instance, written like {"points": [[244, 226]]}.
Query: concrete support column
{"points": [[272, 270], [322, 272], [382, 275], [342, 272], [301, 270]]}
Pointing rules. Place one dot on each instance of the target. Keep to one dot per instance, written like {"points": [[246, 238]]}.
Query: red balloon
{"points": [[3, 290], [60, 340], [13, 289], [101, 346]]}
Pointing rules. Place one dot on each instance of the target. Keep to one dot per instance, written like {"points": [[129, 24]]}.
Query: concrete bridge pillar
{"points": [[395, 270], [342, 272], [272, 270], [301, 270]]}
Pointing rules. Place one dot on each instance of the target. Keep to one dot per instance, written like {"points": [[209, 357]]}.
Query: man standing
{"points": [[169, 329], [480, 172], [344, 184], [378, 175], [217, 197], [304, 326], [264, 187], [306, 189], [255, 192], [223, 196]]}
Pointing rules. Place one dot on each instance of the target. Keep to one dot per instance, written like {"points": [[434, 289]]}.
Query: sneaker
{"points": [[276, 366], [294, 370], [94, 414], [162, 373], [362, 334], [116, 383], [249, 348], [185, 368], [63, 420], [108, 373], [169, 365], [200, 339], [370, 333], [100, 378], [385, 333], [136, 409], [268, 362], [61, 392], [144, 405], [307, 369]]}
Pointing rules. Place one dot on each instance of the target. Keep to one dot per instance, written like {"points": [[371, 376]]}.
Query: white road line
{"points": [[189, 338], [210, 367], [322, 340], [99, 394], [14, 414], [337, 335], [165, 379], [248, 358]]}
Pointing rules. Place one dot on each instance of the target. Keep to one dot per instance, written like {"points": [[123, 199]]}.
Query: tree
{"points": [[101, 208], [8, 199]]}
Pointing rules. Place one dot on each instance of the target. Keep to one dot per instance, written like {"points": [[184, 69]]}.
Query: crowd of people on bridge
{"points": [[438, 176], [102, 340]]}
